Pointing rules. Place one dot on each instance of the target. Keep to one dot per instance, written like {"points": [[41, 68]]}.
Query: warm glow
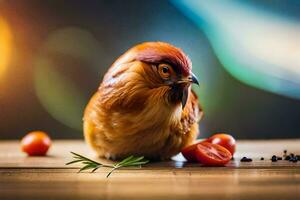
{"points": [[5, 45]]}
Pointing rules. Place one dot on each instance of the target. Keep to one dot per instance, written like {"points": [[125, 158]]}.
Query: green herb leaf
{"points": [[72, 162], [91, 164]]}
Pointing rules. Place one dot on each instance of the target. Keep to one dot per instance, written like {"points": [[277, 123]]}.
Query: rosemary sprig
{"points": [[91, 164]]}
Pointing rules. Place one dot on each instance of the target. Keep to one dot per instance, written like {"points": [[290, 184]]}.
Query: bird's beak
{"points": [[185, 85], [191, 79], [185, 92]]}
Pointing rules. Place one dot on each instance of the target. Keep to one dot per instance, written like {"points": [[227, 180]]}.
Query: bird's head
{"points": [[156, 66]]}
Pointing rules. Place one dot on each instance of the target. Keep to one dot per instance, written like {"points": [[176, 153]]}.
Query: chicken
{"points": [[144, 105]]}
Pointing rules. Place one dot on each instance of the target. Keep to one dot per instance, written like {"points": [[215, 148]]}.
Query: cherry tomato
{"points": [[36, 143], [189, 153], [224, 140], [212, 154]]}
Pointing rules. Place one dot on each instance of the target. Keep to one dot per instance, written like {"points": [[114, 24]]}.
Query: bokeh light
{"points": [[75, 42], [5, 45], [59, 95], [258, 48], [56, 70]]}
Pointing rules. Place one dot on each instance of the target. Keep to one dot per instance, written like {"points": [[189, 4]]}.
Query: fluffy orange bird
{"points": [[144, 105]]}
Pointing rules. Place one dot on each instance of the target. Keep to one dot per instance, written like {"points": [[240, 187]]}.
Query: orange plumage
{"points": [[144, 105]]}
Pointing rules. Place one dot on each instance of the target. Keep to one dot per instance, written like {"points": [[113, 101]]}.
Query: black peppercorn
{"points": [[245, 159], [274, 158], [294, 160], [285, 151]]}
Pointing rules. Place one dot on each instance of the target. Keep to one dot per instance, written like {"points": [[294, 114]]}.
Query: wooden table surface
{"points": [[23, 177]]}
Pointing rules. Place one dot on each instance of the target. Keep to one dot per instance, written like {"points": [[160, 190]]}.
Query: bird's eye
{"points": [[164, 70]]}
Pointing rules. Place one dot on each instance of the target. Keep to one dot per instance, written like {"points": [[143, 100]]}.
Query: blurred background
{"points": [[53, 55]]}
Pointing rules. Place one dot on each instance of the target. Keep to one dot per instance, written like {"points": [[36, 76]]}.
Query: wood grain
{"points": [[48, 178]]}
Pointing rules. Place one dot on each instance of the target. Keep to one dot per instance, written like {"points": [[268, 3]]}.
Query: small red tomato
{"points": [[36, 143], [224, 140], [212, 154], [189, 153]]}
